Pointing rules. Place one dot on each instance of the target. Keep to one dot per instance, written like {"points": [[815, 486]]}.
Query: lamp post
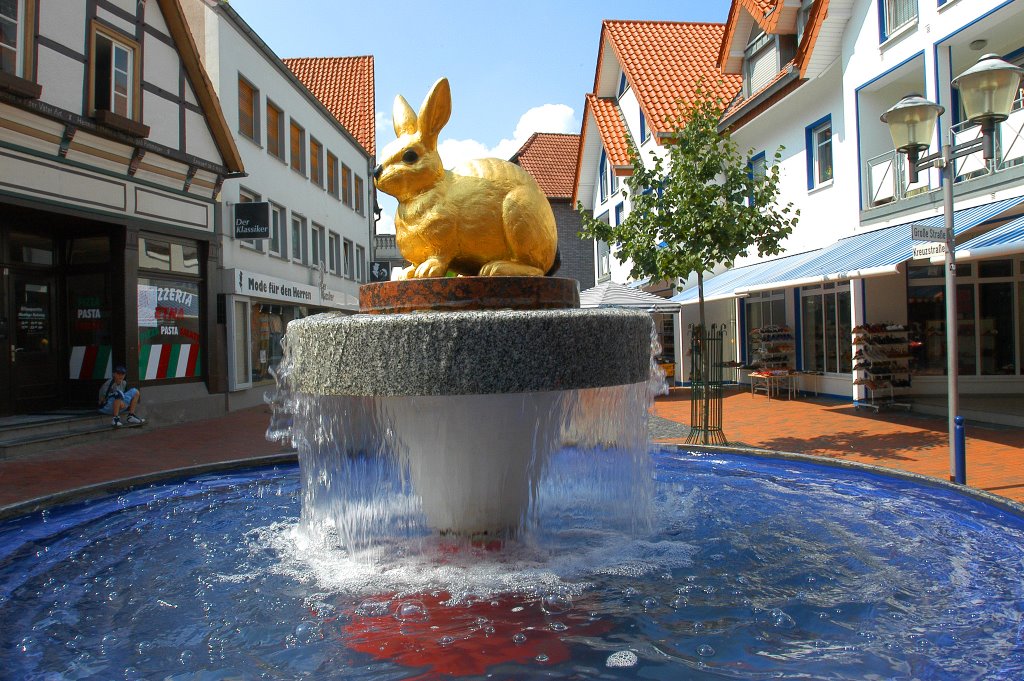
{"points": [[987, 91]]}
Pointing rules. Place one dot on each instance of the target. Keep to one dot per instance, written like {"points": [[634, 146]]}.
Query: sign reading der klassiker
{"points": [[252, 220]]}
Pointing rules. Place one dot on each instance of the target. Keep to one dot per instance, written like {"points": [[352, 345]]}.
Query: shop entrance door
{"points": [[31, 356]]}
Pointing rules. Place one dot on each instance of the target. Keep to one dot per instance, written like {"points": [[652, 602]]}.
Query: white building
{"points": [[113, 150], [817, 76], [303, 156]]}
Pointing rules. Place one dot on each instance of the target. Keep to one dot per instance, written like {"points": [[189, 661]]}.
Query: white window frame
{"points": [[890, 9], [334, 253], [248, 196], [236, 382], [19, 39], [360, 264], [346, 256], [298, 229], [318, 246], [278, 219], [131, 50]]}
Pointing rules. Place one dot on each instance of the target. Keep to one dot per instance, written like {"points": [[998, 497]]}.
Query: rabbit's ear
{"points": [[436, 109], [404, 117]]}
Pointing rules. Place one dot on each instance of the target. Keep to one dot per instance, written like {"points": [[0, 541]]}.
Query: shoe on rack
{"points": [[134, 420], [116, 422]]}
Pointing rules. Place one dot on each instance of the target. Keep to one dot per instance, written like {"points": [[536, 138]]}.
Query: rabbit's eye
{"points": [[410, 156]]}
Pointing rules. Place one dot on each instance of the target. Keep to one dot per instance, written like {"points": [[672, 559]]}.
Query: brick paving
{"points": [[995, 454], [909, 442]]}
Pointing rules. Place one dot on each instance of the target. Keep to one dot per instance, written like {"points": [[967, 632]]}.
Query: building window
{"points": [[818, 136], [358, 195], [332, 174], [987, 336], [317, 249], [299, 239], [297, 137], [760, 62], [170, 329], [360, 264], [894, 15], [826, 329], [334, 252], [623, 83], [602, 168], [645, 134], [246, 196], [802, 19], [13, 36], [347, 262], [604, 261], [618, 213], [346, 185], [276, 225], [316, 162], [275, 131], [248, 110], [114, 73]]}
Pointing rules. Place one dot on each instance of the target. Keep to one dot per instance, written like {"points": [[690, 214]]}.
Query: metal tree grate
{"points": [[706, 385]]}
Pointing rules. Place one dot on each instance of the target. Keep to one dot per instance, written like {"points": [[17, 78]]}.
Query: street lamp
{"points": [[987, 91]]}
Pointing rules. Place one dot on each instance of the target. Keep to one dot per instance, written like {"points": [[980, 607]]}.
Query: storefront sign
{"points": [[271, 288], [919, 232], [252, 220], [928, 250]]}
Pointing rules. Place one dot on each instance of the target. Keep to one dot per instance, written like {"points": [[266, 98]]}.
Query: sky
{"points": [[515, 67]]}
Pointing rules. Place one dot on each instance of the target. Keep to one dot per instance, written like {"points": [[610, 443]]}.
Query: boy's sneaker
{"points": [[116, 422], [134, 420]]}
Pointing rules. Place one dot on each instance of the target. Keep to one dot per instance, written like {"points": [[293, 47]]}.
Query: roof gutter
{"points": [[792, 74]]}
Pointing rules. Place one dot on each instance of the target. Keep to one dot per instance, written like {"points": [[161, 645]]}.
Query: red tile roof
{"points": [[611, 127], [551, 159], [765, 12], [345, 86], [665, 62]]}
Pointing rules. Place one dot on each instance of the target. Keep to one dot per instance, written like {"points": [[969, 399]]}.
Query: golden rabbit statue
{"points": [[485, 217]]}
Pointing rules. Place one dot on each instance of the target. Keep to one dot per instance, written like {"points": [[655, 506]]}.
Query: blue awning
{"points": [[1005, 240], [863, 254]]}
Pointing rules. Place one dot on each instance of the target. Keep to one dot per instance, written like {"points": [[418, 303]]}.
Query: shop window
{"points": [[995, 268], [316, 162], [88, 250], [89, 324], [297, 142], [826, 329], [276, 241], [275, 131], [248, 110], [30, 249], [997, 351], [332, 174], [240, 365], [767, 308], [360, 264], [267, 326], [347, 252], [346, 185], [170, 330]]}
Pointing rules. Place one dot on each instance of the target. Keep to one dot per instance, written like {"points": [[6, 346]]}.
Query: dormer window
{"points": [[623, 83], [802, 18], [760, 63]]}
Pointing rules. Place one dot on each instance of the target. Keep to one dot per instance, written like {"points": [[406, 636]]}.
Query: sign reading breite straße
{"points": [[252, 220]]}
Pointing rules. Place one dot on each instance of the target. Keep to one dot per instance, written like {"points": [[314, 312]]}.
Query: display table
{"points": [[773, 382]]}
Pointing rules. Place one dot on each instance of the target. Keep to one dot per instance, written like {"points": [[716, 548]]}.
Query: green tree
{"points": [[702, 206]]}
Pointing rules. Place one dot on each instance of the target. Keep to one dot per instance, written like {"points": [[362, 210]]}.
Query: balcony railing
{"points": [[888, 177]]}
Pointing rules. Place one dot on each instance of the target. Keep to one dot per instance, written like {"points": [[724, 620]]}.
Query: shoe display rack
{"points": [[882, 364], [771, 347]]}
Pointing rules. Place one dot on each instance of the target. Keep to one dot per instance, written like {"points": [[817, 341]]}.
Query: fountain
{"points": [[475, 498]]}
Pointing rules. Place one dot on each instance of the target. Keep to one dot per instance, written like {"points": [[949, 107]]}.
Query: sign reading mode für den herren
{"points": [[252, 220]]}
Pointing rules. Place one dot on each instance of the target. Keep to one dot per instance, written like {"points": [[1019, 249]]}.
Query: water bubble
{"points": [[308, 631], [519, 639], [445, 641], [650, 603], [629, 592], [781, 620], [556, 604], [411, 611], [373, 608], [541, 658], [699, 626], [558, 626], [622, 658], [144, 648], [678, 602], [705, 650], [186, 657], [518, 608]]}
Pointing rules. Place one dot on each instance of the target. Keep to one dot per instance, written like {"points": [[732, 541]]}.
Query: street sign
{"points": [[919, 232], [928, 250]]}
